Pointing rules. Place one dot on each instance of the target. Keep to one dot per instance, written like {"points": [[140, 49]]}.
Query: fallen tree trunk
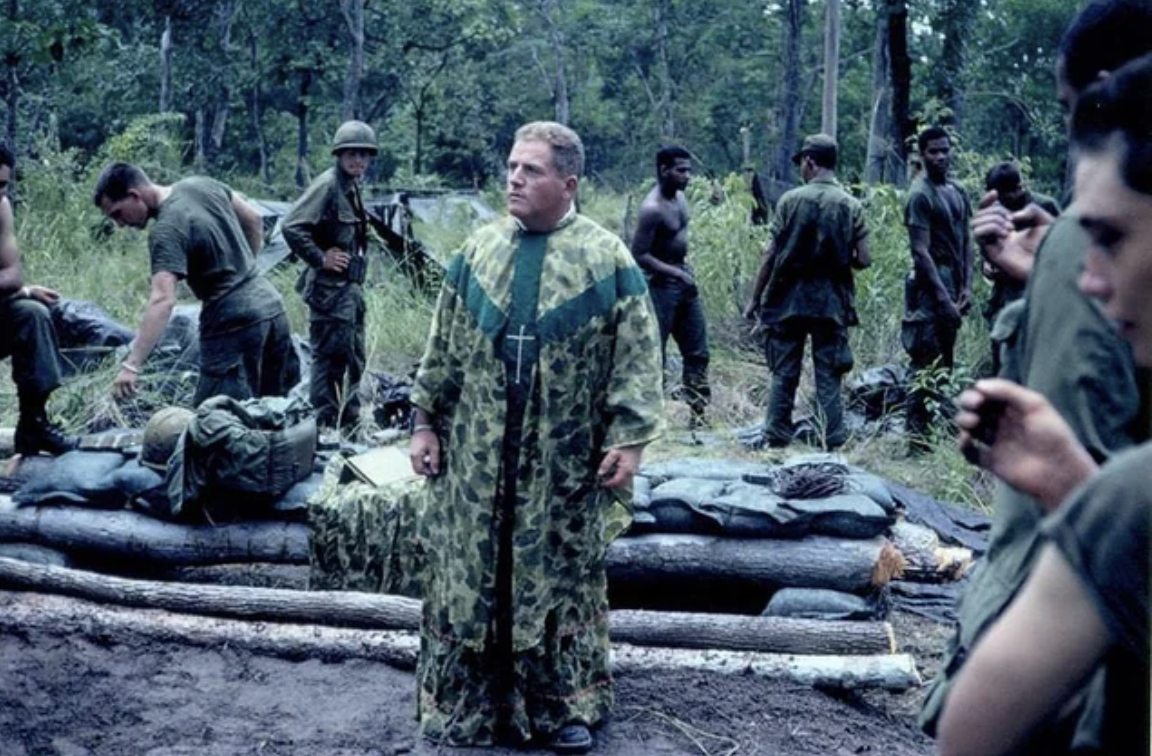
{"points": [[58, 615], [814, 562], [136, 536], [373, 611]]}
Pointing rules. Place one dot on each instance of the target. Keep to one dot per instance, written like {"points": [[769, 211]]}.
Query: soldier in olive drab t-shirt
{"points": [[327, 228], [805, 289], [206, 236], [939, 291]]}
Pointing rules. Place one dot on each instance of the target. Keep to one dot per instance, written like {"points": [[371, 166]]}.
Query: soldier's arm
{"points": [[11, 271], [250, 223], [762, 277], [644, 240], [862, 255], [161, 301], [926, 266], [299, 225], [1028, 663]]}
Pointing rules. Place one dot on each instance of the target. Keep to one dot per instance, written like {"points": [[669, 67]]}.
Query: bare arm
{"points": [[250, 223], [1033, 658], [156, 314], [643, 240], [11, 271]]}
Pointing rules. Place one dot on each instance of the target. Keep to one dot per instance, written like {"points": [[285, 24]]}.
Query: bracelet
{"points": [[422, 427], [130, 367]]}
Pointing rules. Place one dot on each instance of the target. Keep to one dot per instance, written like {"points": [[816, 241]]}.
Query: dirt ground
{"points": [[70, 696]]}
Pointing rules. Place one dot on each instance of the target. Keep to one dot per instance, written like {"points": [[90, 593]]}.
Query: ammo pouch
{"points": [[357, 269], [290, 457]]}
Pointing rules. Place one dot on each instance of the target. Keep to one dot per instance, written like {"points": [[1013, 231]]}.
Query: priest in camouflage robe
{"points": [[539, 388]]}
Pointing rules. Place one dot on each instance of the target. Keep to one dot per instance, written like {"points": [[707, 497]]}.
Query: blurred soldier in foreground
{"points": [[538, 390], [27, 335], [205, 234], [660, 245], [805, 289], [327, 228]]}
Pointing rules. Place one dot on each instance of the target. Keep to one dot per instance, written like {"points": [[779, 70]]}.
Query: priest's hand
{"points": [[424, 453], [619, 465]]}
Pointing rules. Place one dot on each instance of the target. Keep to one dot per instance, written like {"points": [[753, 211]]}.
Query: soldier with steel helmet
{"points": [[327, 228]]}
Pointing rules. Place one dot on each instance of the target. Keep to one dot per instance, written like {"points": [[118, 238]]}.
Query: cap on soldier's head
{"points": [[161, 434], [354, 135], [817, 145]]}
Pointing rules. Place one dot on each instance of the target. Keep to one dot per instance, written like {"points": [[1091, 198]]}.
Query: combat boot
{"points": [[39, 435]]}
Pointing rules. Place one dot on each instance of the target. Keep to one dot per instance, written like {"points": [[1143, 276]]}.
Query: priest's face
{"points": [[538, 194]]}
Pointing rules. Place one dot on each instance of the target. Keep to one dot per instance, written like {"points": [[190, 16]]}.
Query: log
{"points": [[928, 560], [146, 539], [21, 613], [814, 562], [373, 611], [782, 635]]}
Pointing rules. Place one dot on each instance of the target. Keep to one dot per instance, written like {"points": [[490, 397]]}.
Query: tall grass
{"points": [[66, 244]]}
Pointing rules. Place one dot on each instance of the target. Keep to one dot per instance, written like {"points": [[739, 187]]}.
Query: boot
{"points": [[34, 432]]}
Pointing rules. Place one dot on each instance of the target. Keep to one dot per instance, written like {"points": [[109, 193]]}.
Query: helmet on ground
{"points": [[354, 135], [161, 434]]}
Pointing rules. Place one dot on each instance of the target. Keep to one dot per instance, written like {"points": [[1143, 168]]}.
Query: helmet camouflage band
{"points": [[354, 135], [161, 434]]}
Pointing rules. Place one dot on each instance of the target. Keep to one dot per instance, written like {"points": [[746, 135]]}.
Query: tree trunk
{"points": [[928, 560], [831, 67], [166, 66], [661, 9], [303, 175], [879, 121], [955, 23], [353, 11], [60, 616], [901, 69], [256, 110], [790, 108], [814, 562], [418, 156], [201, 139], [12, 103], [384, 612], [560, 99]]}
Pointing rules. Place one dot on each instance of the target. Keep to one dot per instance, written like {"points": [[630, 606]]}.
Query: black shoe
{"points": [[572, 738], [42, 436]]}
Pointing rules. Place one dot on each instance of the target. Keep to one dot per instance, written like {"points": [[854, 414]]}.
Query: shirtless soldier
{"points": [[660, 246]]}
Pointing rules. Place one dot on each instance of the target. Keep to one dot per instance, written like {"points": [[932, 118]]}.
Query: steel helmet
{"points": [[354, 135], [161, 434]]}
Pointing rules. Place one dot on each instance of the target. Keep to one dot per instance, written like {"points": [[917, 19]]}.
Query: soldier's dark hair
{"points": [[1106, 35], [667, 156], [1118, 111], [929, 134], [1003, 176], [825, 158], [6, 156], [115, 181]]}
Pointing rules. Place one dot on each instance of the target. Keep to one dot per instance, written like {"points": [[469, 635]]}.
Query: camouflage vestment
{"points": [[589, 380]]}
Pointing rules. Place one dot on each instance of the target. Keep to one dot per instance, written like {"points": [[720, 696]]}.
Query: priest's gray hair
{"points": [[567, 149]]}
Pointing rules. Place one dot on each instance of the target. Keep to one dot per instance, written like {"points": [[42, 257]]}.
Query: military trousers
{"points": [[250, 362], [28, 336], [831, 359], [338, 361], [931, 345], [680, 314]]}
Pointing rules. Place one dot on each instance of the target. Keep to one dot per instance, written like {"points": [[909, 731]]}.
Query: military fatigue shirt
{"points": [[1102, 532], [946, 221], [816, 229], [197, 236], [325, 217]]}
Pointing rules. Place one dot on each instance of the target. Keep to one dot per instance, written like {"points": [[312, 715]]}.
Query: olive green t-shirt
{"points": [[815, 231], [944, 211], [198, 238]]}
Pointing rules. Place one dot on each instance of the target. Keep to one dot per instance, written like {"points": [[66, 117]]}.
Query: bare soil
{"points": [[70, 696]]}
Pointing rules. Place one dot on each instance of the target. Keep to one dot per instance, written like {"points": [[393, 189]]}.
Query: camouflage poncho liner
{"points": [[596, 385]]}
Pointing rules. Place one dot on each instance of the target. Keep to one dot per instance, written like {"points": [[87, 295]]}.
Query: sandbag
{"points": [[878, 391], [825, 604], [86, 334], [702, 469], [293, 505], [80, 478], [35, 554], [744, 510]]}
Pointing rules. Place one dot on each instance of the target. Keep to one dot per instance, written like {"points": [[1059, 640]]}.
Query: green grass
{"points": [[67, 246]]}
